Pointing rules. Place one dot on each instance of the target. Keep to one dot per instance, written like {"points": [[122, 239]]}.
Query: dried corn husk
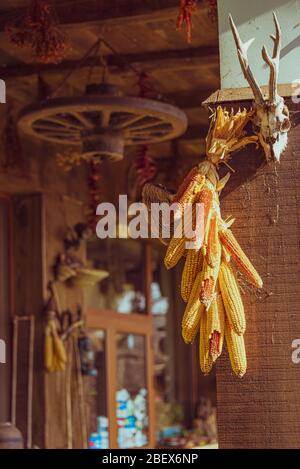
{"points": [[227, 134]]}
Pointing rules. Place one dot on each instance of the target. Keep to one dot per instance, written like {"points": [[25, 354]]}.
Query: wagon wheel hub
{"points": [[103, 122]]}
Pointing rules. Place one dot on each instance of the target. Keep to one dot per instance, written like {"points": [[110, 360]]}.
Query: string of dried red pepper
{"points": [[144, 164], [213, 10], [38, 31], [186, 10], [93, 182]]}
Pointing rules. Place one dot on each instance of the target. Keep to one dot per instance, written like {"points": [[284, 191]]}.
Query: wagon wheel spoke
{"points": [[105, 118], [148, 125], [65, 122], [48, 128], [85, 121], [62, 138], [59, 132], [129, 121], [163, 129]]}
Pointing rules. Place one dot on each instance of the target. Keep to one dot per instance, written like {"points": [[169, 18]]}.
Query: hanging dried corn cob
{"points": [[208, 285], [55, 357]]}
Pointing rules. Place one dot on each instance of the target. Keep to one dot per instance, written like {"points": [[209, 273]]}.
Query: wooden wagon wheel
{"points": [[103, 124]]}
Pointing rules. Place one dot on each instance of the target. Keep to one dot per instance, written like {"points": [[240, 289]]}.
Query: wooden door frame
{"points": [[141, 324], [7, 199]]}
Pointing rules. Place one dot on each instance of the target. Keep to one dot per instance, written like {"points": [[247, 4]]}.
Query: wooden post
{"points": [[262, 410]]}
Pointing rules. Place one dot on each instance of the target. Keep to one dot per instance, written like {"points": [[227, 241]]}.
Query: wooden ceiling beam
{"points": [[189, 100], [104, 13], [192, 57], [196, 132]]}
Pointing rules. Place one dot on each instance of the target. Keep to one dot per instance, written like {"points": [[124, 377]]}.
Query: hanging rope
{"points": [[77, 67], [186, 10]]}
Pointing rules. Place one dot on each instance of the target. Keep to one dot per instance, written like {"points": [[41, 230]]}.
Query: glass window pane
{"points": [[93, 356], [124, 288], [132, 396]]}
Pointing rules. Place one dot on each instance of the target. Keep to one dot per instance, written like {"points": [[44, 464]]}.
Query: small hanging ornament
{"points": [[68, 159], [38, 31], [186, 10]]}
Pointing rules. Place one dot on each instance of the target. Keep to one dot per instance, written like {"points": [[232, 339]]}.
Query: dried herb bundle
{"points": [[38, 31]]}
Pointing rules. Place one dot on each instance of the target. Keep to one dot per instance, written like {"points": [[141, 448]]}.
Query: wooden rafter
{"points": [[105, 13], [146, 61]]}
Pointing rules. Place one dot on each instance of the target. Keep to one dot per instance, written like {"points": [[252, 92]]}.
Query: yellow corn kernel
{"points": [[174, 252], [58, 346], [232, 300], [192, 266], [205, 197], [193, 312], [226, 257], [216, 326], [54, 366], [206, 361], [212, 242], [236, 350], [209, 278], [48, 354], [229, 241], [191, 185]]}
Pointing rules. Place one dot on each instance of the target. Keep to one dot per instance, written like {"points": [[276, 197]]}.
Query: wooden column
{"points": [[262, 410], [28, 411]]}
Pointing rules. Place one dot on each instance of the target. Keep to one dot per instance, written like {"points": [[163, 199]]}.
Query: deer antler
{"points": [[273, 62], [242, 49]]}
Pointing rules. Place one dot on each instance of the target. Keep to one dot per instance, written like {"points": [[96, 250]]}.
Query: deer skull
{"points": [[271, 120]]}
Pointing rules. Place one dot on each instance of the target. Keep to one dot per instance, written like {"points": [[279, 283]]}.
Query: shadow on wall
{"points": [[254, 9], [256, 21]]}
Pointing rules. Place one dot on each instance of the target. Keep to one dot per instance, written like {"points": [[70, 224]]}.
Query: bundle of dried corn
{"points": [[209, 287], [55, 356], [55, 352]]}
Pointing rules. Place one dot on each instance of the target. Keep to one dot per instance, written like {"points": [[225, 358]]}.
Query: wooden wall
{"points": [[45, 202], [62, 418], [262, 410]]}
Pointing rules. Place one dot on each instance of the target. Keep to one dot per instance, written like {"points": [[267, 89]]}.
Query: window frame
{"points": [[112, 323]]}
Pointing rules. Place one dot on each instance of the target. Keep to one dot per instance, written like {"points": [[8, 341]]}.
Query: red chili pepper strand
{"points": [[94, 193], [213, 10], [214, 344], [145, 166], [145, 89], [186, 10], [38, 30]]}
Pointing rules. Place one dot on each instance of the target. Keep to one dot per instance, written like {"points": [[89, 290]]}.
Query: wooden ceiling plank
{"points": [[104, 13], [169, 59]]}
